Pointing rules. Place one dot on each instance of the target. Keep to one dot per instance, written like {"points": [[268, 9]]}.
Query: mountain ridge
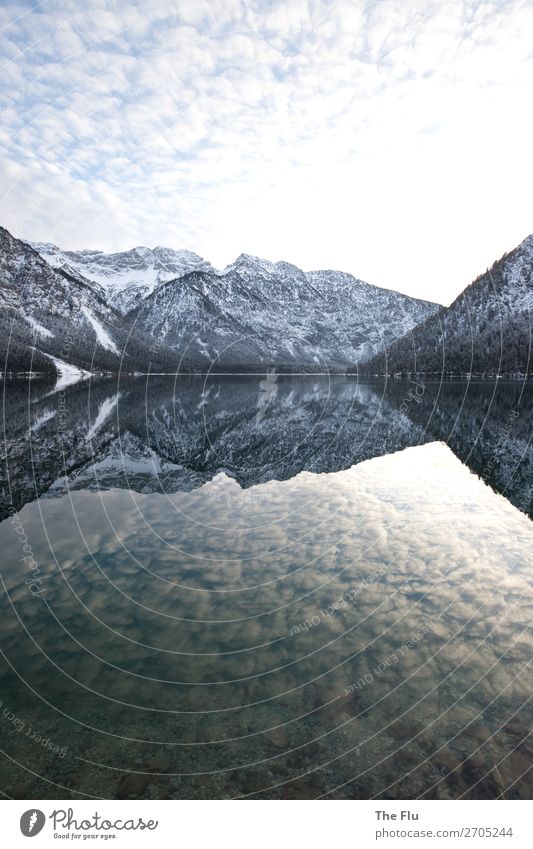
{"points": [[124, 276], [249, 263], [53, 320], [253, 315], [160, 309]]}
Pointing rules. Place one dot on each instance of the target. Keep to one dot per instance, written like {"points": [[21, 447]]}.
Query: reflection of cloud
{"points": [[216, 126], [411, 544]]}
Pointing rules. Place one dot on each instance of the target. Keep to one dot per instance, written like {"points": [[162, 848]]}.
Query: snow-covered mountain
{"points": [[486, 330], [256, 313], [41, 307], [53, 319], [183, 313], [126, 277], [259, 312]]}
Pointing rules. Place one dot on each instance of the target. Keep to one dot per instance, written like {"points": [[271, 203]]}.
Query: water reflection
{"points": [[172, 435], [215, 616]]}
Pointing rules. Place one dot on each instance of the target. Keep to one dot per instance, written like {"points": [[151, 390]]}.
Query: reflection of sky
{"points": [[220, 580]]}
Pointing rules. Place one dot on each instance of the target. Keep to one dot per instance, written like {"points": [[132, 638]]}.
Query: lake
{"points": [[266, 587]]}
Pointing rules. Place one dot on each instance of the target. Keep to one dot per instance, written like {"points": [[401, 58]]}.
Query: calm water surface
{"points": [[289, 587]]}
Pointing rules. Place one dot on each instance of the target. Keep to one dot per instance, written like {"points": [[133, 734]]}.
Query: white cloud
{"points": [[387, 139]]}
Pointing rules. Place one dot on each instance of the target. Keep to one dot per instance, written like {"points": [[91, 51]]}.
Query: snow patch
{"points": [[203, 348], [42, 420], [67, 373], [102, 336], [38, 328], [106, 408]]}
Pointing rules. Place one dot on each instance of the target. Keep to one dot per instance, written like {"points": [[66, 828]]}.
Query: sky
{"points": [[391, 139]]}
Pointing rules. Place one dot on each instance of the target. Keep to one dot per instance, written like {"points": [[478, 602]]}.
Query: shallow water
{"points": [[278, 588]]}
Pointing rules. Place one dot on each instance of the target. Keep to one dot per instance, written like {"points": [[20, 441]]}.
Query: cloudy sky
{"points": [[391, 139]]}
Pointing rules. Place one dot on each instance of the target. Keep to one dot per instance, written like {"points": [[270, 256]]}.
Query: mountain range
{"points": [[164, 310], [167, 310], [260, 313]]}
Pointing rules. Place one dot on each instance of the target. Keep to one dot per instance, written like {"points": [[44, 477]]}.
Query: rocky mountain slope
{"points": [[260, 313], [486, 330]]}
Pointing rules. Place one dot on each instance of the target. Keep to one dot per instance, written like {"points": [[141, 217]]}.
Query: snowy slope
{"points": [[47, 309], [258, 312], [128, 276]]}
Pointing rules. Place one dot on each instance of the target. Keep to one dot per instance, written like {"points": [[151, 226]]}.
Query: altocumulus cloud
{"points": [[370, 136]]}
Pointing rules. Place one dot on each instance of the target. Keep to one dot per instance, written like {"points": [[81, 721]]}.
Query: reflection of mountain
{"points": [[180, 434], [176, 435], [488, 426]]}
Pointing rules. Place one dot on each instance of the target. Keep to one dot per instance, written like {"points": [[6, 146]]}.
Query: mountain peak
{"points": [[247, 263], [249, 258], [43, 246]]}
